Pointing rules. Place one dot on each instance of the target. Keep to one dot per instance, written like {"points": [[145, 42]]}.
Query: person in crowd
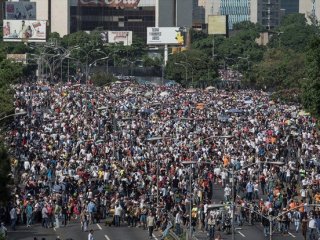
{"points": [[92, 150], [151, 222]]}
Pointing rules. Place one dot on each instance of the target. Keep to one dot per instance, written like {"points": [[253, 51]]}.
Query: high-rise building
{"points": [[199, 14], [290, 6], [270, 13], [265, 12], [173, 13], [68, 16], [310, 8]]}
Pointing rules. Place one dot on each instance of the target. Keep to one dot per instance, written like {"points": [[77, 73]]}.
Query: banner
{"points": [[110, 3], [166, 35], [24, 30], [20, 10], [217, 25], [18, 58], [124, 37]]}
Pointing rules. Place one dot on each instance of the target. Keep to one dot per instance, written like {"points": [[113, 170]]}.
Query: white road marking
{"points": [[99, 226], [241, 234], [292, 235], [106, 237], [154, 236]]}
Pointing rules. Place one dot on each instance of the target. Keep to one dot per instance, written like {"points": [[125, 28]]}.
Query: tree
{"points": [[293, 33], [4, 174], [198, 66], [101, 79], [311, 86], [278, 70]]}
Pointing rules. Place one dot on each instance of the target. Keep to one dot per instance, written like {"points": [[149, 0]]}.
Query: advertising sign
{"points": [[166, 35], [110, 3], [217, 25], [24, 30], [124, 37], [18, 58], [20, 10]]}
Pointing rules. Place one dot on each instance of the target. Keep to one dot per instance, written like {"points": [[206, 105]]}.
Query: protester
{"points": [[90, 149]]}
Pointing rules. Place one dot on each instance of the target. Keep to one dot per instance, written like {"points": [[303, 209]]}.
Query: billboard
{"points": [[20, 10], [24, 30], [166, 35], [17, 58], [217, 24], [110, 3], [123, 37]]}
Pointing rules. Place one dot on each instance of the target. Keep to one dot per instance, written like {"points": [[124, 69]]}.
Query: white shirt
{"points": [[90, 236], [312, 223]]}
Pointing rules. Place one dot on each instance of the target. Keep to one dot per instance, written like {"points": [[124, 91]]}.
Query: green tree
{"points": [[311, 86], [293, 33], [5, 169], [101, 79], [197, 66], [278, 70]]}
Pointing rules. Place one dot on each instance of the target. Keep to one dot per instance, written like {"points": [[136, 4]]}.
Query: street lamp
{"points": [[180, 64], [21, 113], [94, 62], [233, 187], [157, 140], [189, 163], [87, 57]]}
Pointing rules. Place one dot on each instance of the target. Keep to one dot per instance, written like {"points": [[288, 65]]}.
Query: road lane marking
{"points": [[99, 226], [154, 236], [292, 235], [241, 234], [106, 237]]}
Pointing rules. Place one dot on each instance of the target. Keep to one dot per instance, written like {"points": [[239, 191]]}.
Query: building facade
{"points": [[199, 14], [68, 16], [265, 12], [290, 6], [270, 13], [310, 8]]}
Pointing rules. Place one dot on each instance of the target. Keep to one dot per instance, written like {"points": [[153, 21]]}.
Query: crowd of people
{"points": [[127, 152]]}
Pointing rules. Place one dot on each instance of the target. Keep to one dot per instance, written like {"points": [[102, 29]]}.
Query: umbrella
{"points": [[163, 94], [234, 110], [210, 88], [147, 111], [128, 91], [148, 94], [223, 118], [191, 90], [248, 101], [303, 113], [45, 88]]}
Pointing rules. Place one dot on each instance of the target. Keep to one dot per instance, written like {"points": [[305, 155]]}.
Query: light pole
{"points": [[22, 113], [87, 57], [233, 187], [157, 140], [180, 64], [94, 62], [189, 163]]}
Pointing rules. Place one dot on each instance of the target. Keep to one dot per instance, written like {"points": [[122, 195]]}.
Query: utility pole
{"points": [[213, 47]]}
